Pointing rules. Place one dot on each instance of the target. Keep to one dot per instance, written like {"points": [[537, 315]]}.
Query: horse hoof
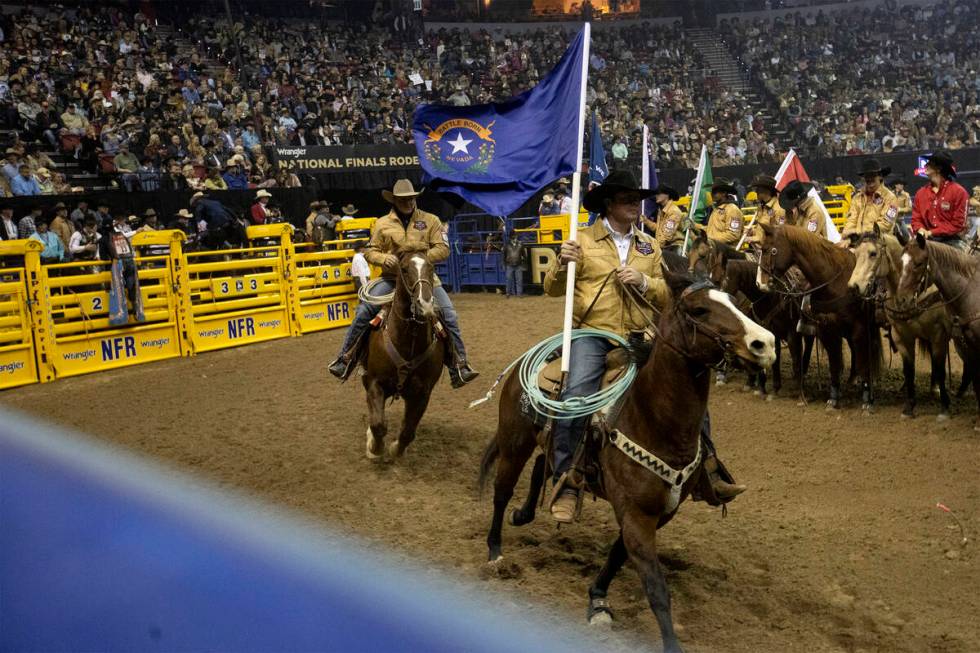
{"points": [[601, 620], [746, 388], [832, 405], [720, 381], [757, 393], [942, 417], [907, 415], [369, 447], [768, 397], [394, 450]]}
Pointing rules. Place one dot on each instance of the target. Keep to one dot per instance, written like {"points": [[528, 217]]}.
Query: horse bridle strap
{"points": [[406, 367], [674, 478]]}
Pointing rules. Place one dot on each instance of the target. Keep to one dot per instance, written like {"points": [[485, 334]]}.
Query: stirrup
{"points": [[565, 481]]}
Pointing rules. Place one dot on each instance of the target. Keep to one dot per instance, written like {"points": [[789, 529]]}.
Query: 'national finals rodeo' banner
{"points": [[327, 159]]}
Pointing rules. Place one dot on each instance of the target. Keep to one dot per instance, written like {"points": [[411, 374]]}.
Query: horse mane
{"points": [[728, 252], [741, 272], [808, 243], [947, 257]]}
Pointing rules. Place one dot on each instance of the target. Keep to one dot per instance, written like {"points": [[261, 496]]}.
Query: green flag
{"points": [[700, 197]]}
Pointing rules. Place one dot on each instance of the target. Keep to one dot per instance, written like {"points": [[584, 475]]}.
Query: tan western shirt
{"points": [[388, 236], [668, 226], [725, 223], [880, 208], [612, 310], [809, 216]]}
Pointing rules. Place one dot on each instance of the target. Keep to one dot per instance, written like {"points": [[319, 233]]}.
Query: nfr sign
{"points": [[243, 326], [114, 349]]}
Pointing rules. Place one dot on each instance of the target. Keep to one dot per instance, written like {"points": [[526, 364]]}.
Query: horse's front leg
{"points": [[415, 406], [640, 538], [599, 612], [835, 360], [377, 427], [940, 350]]}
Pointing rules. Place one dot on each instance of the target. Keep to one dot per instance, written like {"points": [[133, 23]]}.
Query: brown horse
{"points": [[925, 263], [709, 258], [777, 313], [405, 357], [662, 414], [840, 313], [879, 265]]}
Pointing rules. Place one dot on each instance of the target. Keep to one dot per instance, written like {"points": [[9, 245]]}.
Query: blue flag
{"points": [[497, 156], [597, 153]]}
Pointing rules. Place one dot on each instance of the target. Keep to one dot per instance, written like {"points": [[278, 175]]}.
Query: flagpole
{"points": [[695, 196], [566, 342], [645, 176]]}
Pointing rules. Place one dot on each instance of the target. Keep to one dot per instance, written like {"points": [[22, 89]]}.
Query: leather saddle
{"points": [[549, 379]]}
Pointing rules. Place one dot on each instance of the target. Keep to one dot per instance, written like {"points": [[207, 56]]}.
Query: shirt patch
{"points": [[878, 200], [644, 248], [891, 213], [781, 220], [735, 224], [945, 205], [420, 225], [811, 226], [669, 225]]}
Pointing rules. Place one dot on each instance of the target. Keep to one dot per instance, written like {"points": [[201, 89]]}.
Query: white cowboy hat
{"points": [[403, 188], [184, 213], [262, 193]]}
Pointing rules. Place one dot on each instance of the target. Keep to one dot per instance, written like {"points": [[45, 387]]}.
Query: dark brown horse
{"points": [[709, 258], [662, 413], [840, 313], [405, 357], [776, 312], [879, 267], [925, 263]]}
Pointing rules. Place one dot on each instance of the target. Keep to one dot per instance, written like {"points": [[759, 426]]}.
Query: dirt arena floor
{"points": [[837, 545]]}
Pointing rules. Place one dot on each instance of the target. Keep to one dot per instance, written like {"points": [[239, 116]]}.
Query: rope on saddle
{"points": [[531, 362], [364, 294]]}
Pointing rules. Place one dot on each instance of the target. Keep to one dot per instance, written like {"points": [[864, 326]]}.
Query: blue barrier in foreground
{"points": [[100, 551]]}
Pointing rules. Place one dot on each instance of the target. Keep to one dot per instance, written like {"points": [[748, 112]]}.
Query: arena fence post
{"points": [[180, 283], [23, 321]]}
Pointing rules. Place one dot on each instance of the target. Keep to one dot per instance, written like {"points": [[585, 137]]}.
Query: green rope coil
{"points": [[536, 358]]}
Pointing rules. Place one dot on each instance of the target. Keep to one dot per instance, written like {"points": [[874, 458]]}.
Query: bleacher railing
{"points": [[54, 319]]}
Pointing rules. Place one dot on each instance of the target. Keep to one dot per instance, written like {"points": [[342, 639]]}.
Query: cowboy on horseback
{"points": [[405, 226], [610, 247]]}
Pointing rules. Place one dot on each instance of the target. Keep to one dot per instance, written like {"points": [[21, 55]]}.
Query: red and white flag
{"points": [[792, 169]]}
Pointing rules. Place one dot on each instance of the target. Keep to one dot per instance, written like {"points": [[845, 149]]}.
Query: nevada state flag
{"points": [[496, 156]]}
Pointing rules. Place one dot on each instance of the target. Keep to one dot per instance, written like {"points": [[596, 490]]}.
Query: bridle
{"points": [[790, 288], [415, 315], [726, 348]]}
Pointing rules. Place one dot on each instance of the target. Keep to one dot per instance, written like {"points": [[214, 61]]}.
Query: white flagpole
{"points": [[566, 342], [696, 195], [645, 174]]}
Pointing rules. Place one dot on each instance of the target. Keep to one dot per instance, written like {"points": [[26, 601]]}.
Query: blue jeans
{"points": [[366, 312], [585, 372], [515, 280]]}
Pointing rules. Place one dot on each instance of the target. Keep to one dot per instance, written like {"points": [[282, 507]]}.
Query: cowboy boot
{"points": [[724, 490], [345, 363], [460, 372]]}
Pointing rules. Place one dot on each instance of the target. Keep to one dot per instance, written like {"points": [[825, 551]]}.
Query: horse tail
{"points": [[490, 455]]}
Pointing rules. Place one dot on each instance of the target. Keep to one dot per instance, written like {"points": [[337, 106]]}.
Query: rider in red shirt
{"points": [[939, 208]]}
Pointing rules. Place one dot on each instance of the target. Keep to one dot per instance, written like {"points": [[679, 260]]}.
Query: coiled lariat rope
{"points": [[534, 360], [364, 294]]}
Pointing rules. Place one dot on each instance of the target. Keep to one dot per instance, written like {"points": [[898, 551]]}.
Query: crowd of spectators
{"points": [[165, 110], [870, 79]]}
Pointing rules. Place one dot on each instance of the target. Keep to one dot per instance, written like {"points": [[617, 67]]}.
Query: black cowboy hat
{"points": [[794, 193], [722, 185], [944, 161], [764, 181], [873, 167], [617, 181], [668, 191]]}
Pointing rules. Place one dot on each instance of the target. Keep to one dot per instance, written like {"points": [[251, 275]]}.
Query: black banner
{"points": [[330, 159]]}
